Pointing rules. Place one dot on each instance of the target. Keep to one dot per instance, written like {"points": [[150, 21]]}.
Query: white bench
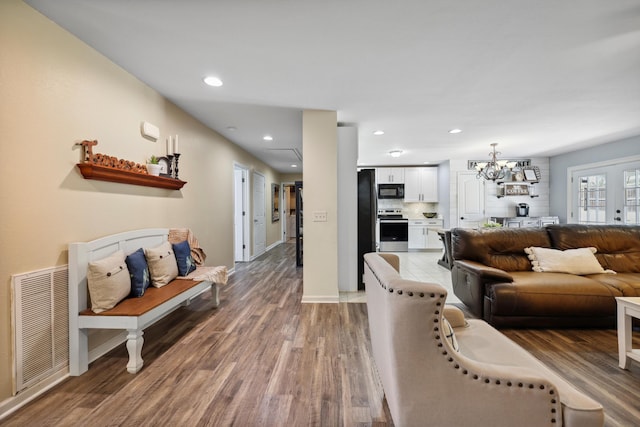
{"points": [[131, 314]]}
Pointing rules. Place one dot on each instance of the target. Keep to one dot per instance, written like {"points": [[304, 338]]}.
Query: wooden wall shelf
{"points": [[103, 173]]}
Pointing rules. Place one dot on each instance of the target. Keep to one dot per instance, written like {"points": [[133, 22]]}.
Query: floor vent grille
{"points": [[40, 325]]}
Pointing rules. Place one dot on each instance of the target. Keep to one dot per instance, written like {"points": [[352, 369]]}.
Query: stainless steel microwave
{"points": [[390, 191]]}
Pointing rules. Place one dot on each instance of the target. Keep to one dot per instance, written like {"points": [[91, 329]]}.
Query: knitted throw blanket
{"points": [[177, 235], [216, 275]]}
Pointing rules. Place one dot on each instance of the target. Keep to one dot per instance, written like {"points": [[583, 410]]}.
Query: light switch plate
{"points": [[320, 216]]}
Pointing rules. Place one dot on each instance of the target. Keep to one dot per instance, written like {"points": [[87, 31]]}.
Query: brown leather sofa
{"points": [[493, 275]]}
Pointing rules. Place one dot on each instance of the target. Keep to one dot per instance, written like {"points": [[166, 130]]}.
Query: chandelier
{"points": [[494, 169]]}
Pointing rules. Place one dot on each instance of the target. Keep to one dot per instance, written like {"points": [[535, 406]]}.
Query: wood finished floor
{"points": [[264, 359]]}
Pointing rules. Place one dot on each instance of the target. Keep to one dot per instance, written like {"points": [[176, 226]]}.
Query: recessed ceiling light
{"points": [[213, 81], [455, 131], [395, 153], [378, 132], [267, 138], [232, 128], [294, 166]]}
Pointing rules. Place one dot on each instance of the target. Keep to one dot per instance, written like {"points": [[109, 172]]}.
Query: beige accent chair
{"points": [[488, 381]]}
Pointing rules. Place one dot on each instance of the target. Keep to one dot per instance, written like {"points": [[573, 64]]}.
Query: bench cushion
{"points": [[152, 298]]}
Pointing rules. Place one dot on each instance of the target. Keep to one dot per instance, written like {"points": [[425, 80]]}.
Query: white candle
{"points": [[175, 145], [169, 151]]}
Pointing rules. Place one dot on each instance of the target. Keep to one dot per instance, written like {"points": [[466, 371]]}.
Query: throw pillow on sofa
{"points": [[108, 282], [138, 272], [578, 261], [162, 264], [186, 263]]}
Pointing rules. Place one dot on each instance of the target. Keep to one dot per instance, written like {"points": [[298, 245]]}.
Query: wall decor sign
{"points": [[520, 163]]}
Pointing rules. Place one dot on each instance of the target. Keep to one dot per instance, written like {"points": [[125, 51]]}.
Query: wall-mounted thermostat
{"points": [[149, 131]]}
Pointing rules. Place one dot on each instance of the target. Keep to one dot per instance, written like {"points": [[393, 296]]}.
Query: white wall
{"points": [[559, 165], [504, 206], [56, 91]]}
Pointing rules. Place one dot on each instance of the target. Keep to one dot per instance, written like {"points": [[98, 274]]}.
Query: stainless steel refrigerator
{"points": [[367, 215]]}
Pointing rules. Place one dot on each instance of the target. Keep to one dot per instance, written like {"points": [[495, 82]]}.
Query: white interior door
{"points": [[240, 235], [470, 200], [259, 217]]}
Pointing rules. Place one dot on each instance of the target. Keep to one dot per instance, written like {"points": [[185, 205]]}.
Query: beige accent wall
{"points": [[320, 255], [56, 91]]}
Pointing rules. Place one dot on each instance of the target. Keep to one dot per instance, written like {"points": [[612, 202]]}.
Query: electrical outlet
{"points": [[320, 216]]}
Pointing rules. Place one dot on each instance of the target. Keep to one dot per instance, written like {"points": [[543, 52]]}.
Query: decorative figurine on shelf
{"points": [[88, 149], [109, 161]]}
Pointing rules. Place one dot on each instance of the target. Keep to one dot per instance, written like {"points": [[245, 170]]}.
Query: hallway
{"points": [[260, 359]]}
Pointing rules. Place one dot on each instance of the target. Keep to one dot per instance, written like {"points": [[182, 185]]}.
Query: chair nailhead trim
{"points": [[450, 359]]}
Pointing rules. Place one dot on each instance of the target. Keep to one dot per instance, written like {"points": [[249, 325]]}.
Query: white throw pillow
{"points": [[163, 266], [573, 261], [108, 282]]}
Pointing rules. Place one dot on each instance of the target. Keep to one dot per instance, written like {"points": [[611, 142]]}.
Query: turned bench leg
{"points": [[134, 347], [214, 295]]}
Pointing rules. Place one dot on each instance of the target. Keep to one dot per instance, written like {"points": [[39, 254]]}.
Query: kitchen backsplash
{"points": [[409, 210]]}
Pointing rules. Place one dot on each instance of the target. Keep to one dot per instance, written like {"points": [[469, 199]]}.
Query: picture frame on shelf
{"points": [[531, 174], [164, 166]]}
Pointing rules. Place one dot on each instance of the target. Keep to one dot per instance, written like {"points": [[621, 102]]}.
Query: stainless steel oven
{"points": [[394, 231]]}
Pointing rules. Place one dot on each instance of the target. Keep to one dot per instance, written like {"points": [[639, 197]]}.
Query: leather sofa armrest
{"points": [[470, 279], [484, 272]]}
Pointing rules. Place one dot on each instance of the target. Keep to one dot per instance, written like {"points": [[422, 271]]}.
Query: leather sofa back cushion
{"points": [[501, 248], [618, 246]]}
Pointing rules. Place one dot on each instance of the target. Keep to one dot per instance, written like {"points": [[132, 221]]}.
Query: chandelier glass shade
{"points": [[494, 169]]}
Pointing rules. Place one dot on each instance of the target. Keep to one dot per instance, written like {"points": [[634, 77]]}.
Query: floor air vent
{"points": [[40, 325]]}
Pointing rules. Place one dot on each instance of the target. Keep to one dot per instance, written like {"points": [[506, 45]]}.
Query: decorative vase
{"points": [[153, 169]]}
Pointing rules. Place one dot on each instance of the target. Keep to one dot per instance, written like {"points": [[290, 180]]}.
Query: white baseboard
{"points": [[320, 299], [12, 404], [279, 242]]}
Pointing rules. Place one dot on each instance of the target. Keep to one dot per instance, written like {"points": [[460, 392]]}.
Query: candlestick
{"points": [[175, 169], [170, 167], [169, 150], [175, 145]]}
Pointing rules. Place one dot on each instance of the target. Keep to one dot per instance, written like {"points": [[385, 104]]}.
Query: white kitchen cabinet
{"points": [[421, 184], [423, 234], [390, 175], [417, 235]]}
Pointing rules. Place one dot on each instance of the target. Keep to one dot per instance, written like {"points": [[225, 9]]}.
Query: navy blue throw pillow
{"points": [[186, 263], [139, 272]]}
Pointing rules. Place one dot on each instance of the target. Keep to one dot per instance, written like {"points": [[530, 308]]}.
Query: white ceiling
{"points": [[538, 77]]}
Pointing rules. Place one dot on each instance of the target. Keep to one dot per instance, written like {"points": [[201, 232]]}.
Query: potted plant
{"points": [[153, 166]]}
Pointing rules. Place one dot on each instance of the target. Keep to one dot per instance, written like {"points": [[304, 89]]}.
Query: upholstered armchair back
{"points": [[425, 380]]}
